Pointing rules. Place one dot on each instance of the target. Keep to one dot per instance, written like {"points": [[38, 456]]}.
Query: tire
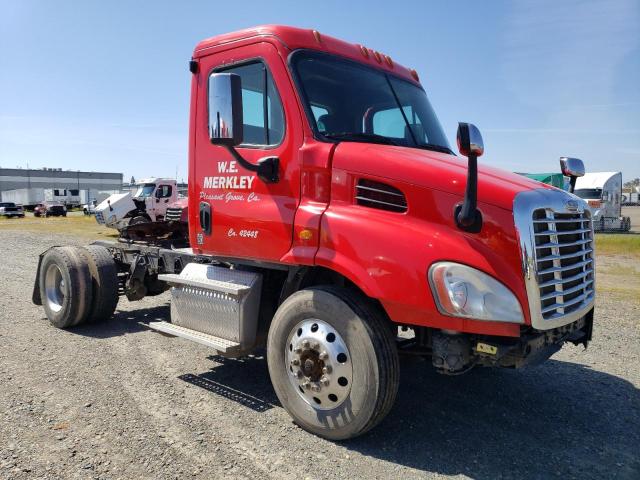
{"points": [[138, 220], [359, 328], [65, 272], [104, 283]]}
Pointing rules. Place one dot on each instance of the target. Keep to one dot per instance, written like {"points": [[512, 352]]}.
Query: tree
{"points": [[632, 183], [132, 181]]}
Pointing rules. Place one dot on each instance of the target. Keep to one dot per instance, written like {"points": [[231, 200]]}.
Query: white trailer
{"points": [[30, 197], [603, 193]]}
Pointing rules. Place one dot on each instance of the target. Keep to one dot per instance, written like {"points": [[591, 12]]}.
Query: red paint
{"points": [[310, 217]]}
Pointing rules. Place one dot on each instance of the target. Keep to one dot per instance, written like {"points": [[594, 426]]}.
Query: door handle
{"points": [[205, 217]]}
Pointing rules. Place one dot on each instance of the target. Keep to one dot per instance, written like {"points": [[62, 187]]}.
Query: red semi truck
{"points": [[327, 213]]}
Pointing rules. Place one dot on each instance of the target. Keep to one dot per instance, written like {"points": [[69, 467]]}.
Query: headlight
{"points": [[462, 291]]}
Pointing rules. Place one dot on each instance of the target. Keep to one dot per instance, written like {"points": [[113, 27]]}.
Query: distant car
{"points": [[50, 210], [10, 209], [90, 208]]}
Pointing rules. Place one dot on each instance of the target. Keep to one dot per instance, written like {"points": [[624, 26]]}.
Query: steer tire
{"points": [[104, 283], [353, 321], [69, 303]]}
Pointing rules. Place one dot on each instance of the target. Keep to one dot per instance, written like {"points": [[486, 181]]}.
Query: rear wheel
{"points": [[333, 362], [104, 282], [65, 286]]}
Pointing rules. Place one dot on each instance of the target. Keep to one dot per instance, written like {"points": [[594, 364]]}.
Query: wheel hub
{"points": [[319, 364], [55, 288]]}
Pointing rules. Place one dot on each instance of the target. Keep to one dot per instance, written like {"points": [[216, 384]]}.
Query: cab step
{"points": [[219, 344]]}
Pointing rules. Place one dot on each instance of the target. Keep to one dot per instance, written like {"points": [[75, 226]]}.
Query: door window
{"points": [[164, 191], [262, 113]]}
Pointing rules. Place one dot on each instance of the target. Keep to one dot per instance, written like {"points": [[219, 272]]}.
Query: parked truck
{"points": [[326, 211], [557, 180], [630, 198], [603, 193]]}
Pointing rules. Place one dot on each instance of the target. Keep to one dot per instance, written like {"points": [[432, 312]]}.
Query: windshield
{"points": [[352, 102], [145, 190], [7, 204], [588, 193]]}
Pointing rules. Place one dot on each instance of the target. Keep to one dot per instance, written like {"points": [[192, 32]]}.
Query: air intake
{"points": [[380, 195]]}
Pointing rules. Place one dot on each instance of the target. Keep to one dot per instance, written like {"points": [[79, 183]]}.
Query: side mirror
{"points": [[225, 109], [469, 140], [572, 168], [467, 215], [225, 124]]}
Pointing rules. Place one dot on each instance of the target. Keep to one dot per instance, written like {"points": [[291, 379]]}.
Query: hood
{"points": [[112, 199], [433, 170]]}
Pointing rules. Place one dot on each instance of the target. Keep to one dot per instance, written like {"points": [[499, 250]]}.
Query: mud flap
{"points": [[35, 296]]}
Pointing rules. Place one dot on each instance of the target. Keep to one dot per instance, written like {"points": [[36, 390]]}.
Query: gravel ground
{"points": [[120, 401]]}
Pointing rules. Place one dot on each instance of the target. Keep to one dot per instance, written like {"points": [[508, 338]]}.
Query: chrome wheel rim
{"points": [[55, 288], [319, 364]]}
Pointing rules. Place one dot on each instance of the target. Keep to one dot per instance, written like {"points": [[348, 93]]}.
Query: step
{"points": [[218, 279], [220, 344]]}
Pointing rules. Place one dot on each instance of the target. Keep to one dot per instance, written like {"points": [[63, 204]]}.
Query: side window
{"points": [[319, 115], [263, 116], [390, 123], [163, 191]]}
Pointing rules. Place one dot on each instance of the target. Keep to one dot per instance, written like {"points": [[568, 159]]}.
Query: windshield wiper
{"points": [[435, 148], [361, 137]]}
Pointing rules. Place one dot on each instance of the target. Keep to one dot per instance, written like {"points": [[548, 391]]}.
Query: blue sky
{"points": [[104, 85]]}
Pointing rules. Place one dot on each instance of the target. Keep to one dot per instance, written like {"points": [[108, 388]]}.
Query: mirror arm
{"points": [[267, 168], [467, 215], [572, 183]]}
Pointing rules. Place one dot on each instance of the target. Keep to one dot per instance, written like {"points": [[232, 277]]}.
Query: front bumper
{"points": [[534, 346]]}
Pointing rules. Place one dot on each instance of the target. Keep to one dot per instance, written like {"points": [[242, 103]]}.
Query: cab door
{"points": [[238, 214], [161, 198]]}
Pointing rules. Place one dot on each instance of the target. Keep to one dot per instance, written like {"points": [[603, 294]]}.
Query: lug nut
{"points": [[315, 388], [305, 343], [323, 355], [324, 381], [295, 362], [306, 385], [327, 369], [297, 350], [315, 346]]}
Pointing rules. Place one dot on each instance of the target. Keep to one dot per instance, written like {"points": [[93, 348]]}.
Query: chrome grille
{"points": [[564, 261], [174, 213], [556, 243]]}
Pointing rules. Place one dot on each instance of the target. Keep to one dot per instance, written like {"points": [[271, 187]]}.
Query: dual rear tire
{"points": [[78, 285]]}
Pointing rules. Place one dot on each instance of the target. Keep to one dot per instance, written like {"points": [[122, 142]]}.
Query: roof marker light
{"points": [[414, 74], [317, 36], [387, 59], [364, 51], [377, 56]]}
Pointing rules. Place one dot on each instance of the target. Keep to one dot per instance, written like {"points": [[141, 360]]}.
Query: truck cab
{"points": [[331, 222], [148, 203], [603, 193]]}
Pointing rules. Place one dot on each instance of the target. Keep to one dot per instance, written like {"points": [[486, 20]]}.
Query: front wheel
{"points": [[333, 362], [138, 220]]}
